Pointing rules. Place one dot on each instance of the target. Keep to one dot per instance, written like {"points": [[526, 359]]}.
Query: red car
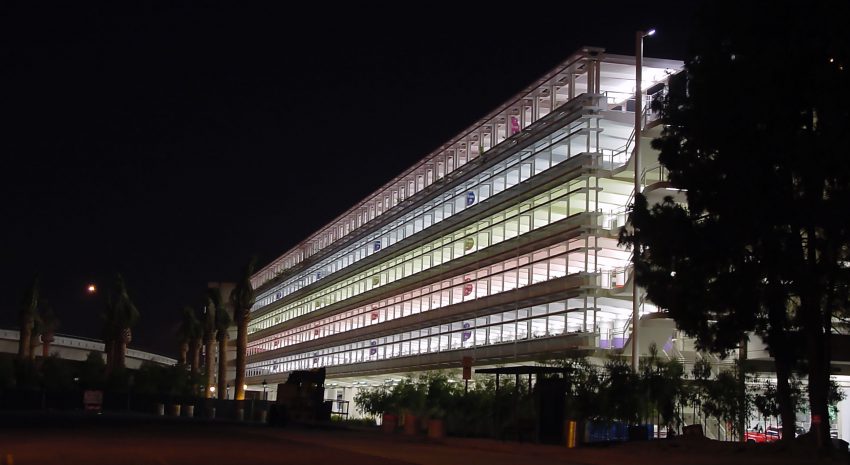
{"points": [[771, 434]]}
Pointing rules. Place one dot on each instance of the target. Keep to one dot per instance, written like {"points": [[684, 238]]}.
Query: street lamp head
{"points": [[91, 288], [649, 33]]}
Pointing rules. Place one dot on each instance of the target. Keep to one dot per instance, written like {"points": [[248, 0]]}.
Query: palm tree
{"points": [[49, 325], [242, 298], [222, 327], [120, 317], [195, 346], [186, 333], [26, 317], [35, 334], [213, 302]]}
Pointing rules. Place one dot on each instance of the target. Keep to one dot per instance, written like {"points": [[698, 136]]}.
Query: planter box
{"points": [[389, 423], [436, 429], [410, 426]]}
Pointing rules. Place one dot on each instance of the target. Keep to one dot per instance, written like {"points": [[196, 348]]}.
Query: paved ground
{"points": [[77, 439]]}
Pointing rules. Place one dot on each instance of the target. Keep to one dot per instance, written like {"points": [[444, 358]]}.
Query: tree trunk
{"points": [[108, 347], [25, 339], [222, 366], [183, 353], [45, 347], [120, 348], [195, 353], [120, 351], [241, 356], [209, 366], [782, 350], [34, 339], [812, 307], [787, 409]]}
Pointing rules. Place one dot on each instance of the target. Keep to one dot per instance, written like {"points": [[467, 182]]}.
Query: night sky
{"points": [[172, 143]]}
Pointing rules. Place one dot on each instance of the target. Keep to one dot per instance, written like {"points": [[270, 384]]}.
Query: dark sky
{"points": [[172, 143]]}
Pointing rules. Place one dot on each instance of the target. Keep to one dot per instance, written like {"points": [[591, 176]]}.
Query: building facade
{"points": [[499, 247], [78, 348]]}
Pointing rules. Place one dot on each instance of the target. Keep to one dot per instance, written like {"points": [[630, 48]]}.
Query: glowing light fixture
{"points": [[91, 288]]}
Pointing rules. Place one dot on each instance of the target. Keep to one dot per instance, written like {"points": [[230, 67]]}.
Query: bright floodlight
{"points": [[650, 32]]}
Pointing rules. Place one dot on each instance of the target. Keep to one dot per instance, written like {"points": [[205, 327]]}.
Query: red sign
{"points": [[467, 367], [93, 400]]}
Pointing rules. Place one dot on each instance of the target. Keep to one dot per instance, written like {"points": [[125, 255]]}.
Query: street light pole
{"points": [[639, 35]]}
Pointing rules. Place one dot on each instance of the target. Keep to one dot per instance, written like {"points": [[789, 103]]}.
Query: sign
{"points": [[470, 198], [374, 349], [514, 125], [468, 243], [376, 280], [466, 334], [467, 288], [376, 246], [467, 367], [93, 400]]}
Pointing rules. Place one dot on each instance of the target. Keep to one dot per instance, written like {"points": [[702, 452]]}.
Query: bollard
{"points": [[571, 434], [174, 411], [160, 409], [211, 413], [189, 410], [240, 414], [261, 416]]}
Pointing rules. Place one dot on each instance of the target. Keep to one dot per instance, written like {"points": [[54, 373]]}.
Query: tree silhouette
{"points": [[26, 319], [119, 318], [212, 300], [762, 243], [242, 299], [188, 331], [222, 328]]}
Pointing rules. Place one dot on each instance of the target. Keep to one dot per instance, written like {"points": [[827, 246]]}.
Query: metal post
{"points": [[638, 110]]}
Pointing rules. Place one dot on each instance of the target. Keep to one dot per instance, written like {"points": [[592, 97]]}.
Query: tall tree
{"points": [[222, 328], [119, 318], [212, 302], [26, 318], [242, 299], [762, 243]]}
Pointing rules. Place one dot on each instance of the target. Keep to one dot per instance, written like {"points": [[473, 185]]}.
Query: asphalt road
{"points": [[77, 439], [64, 440]]}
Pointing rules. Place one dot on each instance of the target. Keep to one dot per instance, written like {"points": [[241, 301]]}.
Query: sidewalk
{"points": [[469, 451]]}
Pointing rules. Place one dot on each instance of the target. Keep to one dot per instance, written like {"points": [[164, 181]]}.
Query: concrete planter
{"points": [[159, 409], [436, 428], [189, 411], [174, 410], [389, 423], [410, 426]]}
